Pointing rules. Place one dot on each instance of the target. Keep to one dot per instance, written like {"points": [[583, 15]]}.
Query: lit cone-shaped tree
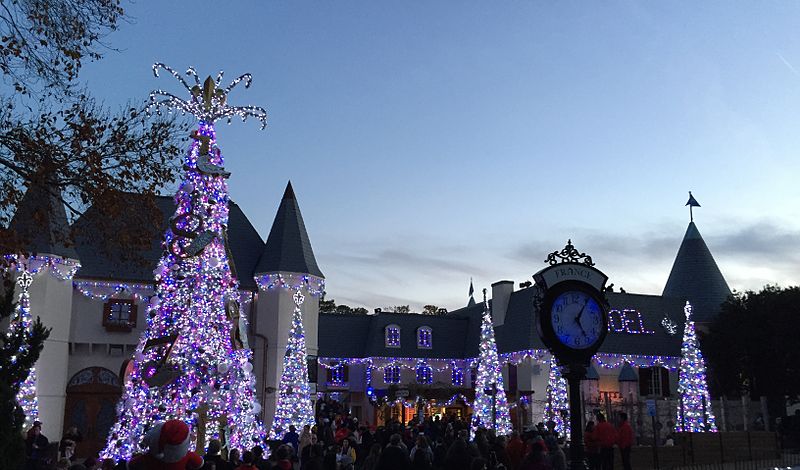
{"points": [[188, 364], [294, 398], [694, 411], [489, 391], [26, 397], [557, 406]]}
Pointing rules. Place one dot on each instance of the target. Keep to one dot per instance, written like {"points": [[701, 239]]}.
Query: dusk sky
{"points": [[431, 142]]}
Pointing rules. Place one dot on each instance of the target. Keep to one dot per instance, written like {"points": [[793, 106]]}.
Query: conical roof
{"points": [[40, 221], [695, 277], [288, 248]]}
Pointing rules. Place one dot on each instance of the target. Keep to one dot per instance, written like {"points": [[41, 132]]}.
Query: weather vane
{"points": [[692, 202], [209, 100]]}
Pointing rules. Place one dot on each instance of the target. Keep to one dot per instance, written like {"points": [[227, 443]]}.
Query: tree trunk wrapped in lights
{"points": [[294, 397], [188, 364], [694, 411], [22, 324], [556, 408], [490, 410]]}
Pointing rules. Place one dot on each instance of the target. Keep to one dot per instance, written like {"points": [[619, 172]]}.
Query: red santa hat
{"points": [[173, 441]]}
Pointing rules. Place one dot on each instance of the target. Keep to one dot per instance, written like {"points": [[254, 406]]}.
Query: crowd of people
{"points": [[339, 442]]}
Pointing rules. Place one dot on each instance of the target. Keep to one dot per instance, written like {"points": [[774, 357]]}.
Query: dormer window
{"points": [[457, 377], [424, 374], [119, 315], [424, 337], [338, 375], [392, 336], [391, 374]]}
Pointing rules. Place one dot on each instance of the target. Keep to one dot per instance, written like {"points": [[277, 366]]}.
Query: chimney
{"points": [[501, 294]]}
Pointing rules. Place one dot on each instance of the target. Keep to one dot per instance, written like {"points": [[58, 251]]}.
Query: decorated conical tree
{"points": [[556, 408], [694, 410], [188, 364], [22, 324], [489, 391], [294, 398]]}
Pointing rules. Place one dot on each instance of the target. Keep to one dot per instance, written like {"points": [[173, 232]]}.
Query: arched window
{"points": [[391, 374], [424, 374], [392, 336], [424, 337]]}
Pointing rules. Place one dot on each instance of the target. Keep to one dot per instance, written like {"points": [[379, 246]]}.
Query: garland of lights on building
{"points": [[190, 363], [26, 397], [490, 409], [556, 407], [694, 412], [294, 398], [60, 268]]}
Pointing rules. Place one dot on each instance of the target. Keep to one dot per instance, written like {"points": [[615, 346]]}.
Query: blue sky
{"points": [[431, 142]]}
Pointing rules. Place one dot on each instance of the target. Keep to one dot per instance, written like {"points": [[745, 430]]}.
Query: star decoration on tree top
{"points": [[208, 100]]}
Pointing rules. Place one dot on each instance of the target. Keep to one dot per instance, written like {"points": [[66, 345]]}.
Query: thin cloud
{"points": [[787, 64]]}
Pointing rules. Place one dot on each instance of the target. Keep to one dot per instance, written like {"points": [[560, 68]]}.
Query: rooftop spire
{"points": [[696, 277], [288, 248], [40, 221], [471, 301]]}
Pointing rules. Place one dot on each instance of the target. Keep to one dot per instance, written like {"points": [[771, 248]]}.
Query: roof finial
{"points": [[692, 202]]}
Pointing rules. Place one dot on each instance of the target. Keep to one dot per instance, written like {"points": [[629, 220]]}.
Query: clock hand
{"points": [[578, 318]]}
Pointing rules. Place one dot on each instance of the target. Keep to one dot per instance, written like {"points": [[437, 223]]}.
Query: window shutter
{"points": [[644, 380], [665, 381]]}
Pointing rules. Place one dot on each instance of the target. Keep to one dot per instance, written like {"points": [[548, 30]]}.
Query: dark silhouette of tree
{"points": [[46, 41], [752, 346], [56, 136], [19, 351], [329, 306]]}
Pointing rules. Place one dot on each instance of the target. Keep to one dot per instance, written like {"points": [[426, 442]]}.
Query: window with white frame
{"points": [[392, 336], [391, 374], [457, 377], [424, 337], [424, 374]]}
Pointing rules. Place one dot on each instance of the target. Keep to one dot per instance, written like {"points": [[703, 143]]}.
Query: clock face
{"points": [[577, 319]]}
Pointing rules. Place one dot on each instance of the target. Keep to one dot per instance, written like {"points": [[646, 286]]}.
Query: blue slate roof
{"points": [[99, 263], [627, 374], [40, 222], [696, 277], [288, 247], [456, 334]]}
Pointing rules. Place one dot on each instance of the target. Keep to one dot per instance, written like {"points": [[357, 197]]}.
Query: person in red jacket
{"points": [[606, 437], [591, 446], [625, 440]]}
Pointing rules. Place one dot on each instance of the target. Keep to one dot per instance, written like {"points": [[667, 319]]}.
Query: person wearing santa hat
{"points": [[168, 444]]}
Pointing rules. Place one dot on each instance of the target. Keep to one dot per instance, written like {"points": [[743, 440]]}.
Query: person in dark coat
{"points": [[36, 447], [394, 456]]}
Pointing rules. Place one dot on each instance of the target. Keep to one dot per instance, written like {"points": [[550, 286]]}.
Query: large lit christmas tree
{"points": [[489, 391], [294, 398], [694, 411], [556, 408], [188, 364], [22, 324]]}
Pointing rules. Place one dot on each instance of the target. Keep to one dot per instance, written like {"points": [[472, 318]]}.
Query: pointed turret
{"points": [[695, 277], [288, 248], [40, 221], [471, 300]]}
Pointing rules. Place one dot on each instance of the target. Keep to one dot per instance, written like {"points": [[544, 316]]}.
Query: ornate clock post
{"points": [[572, 318]]}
